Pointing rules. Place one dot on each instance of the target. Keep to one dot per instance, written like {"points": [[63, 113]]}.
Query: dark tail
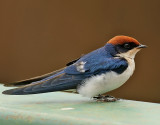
{"points": [[31, 80]]}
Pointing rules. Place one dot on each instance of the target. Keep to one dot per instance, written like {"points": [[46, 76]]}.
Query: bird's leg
{"points": [[103, 98], [109, 96]]}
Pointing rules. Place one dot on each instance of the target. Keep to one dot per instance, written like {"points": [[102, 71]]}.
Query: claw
{"points": [[107, 98]]}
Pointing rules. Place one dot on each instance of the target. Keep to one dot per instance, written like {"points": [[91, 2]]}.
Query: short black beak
{"points": [[142, 46]]}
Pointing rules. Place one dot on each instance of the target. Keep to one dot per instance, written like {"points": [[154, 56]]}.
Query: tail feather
{"points": [[31, 80]]}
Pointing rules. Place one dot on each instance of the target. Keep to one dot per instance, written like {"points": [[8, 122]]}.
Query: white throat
{"points": [[130, 54]]}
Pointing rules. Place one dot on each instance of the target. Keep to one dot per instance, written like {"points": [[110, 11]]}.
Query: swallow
{"points": [[91, 75]]}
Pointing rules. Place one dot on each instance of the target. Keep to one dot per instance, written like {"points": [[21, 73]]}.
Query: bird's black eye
{"points": [[126, 45]]}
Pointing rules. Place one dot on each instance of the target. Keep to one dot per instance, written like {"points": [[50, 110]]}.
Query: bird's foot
{"points": [[103, 98]]}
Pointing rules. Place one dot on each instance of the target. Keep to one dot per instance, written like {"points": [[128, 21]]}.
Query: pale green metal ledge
{"points": [[60, 108]]}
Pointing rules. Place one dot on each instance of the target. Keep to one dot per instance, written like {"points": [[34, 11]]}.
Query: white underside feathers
{"points": [[103, 83]]}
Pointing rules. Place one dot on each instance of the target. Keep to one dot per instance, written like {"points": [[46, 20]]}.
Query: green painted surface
{"points": [[71, 109]]}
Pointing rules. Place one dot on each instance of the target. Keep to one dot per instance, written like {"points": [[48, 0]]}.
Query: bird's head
{"points": [[124, 46]]}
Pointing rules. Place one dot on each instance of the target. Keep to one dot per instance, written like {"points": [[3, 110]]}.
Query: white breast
{"points": [[103, 83]]}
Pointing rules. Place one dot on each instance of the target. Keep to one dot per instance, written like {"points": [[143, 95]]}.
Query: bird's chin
{"points": [[130, 54]]}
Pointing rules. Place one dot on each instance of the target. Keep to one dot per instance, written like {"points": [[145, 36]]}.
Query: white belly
{"points": [[103, 83]]}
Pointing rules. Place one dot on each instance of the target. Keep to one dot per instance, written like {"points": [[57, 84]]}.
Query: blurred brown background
{"points": [[39, 36]]}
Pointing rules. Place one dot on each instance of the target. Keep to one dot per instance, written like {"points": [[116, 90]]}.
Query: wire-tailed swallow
{"points": [[95, 73]]}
